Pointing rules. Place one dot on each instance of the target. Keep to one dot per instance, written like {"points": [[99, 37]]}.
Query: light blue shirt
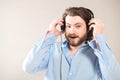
{"points": [[89, 63]]}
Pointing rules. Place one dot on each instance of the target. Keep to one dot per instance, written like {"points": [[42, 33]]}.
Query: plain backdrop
{"points": [[23, 22]]}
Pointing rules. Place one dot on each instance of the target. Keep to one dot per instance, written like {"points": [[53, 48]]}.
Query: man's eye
{"points": [[78, 26], [68, 26]]}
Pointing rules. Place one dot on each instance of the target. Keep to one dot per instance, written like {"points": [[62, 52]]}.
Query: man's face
{"points": [[75, 32]]}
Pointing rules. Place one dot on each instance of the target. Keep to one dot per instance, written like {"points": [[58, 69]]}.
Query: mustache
{"points": [[72, 35]]}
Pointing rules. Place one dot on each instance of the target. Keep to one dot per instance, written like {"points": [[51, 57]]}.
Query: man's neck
{"points": [[73, 50]]}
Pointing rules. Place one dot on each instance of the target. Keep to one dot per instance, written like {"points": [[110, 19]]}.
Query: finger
{"points": [[57, 22], [60, 22], [92, 26], [94, 22], [91, 21], [100, 22]]}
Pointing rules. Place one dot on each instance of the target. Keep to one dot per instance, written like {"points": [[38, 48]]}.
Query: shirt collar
{"points": [[65, 44]]}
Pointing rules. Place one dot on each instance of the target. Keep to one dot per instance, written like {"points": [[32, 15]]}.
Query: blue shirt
{"points": [[89, 63]]}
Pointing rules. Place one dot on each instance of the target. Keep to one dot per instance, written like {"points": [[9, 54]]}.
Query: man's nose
{"points": [[72, 30]]}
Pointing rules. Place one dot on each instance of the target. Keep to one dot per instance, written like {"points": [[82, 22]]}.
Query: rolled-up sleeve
{"points": [[38, 57], [109, 66]]}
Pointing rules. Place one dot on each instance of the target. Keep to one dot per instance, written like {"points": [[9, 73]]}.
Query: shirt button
{"points": [[70, 73], [40, 66]]}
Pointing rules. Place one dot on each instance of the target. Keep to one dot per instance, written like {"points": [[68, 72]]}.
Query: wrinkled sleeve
{"points": [[38, 57], [109, 66]]}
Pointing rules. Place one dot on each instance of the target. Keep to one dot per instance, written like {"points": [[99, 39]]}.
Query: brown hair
{"points": [[85, 13]]}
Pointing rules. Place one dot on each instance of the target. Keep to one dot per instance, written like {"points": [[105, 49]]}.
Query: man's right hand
{"points": [[52, 26]]}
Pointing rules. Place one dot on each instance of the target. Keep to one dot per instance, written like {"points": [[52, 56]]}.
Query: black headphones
{"points": [[90, 32], [87, 10]]}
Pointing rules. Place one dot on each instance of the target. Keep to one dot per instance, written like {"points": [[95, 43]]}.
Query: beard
{"points": [[75, 40]]}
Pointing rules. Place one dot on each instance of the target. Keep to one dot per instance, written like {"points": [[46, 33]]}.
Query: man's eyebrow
{"points": [[68, 23], [78, 23], [75, 23]]}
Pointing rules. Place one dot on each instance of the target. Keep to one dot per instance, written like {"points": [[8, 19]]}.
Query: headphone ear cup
{"points": [[90, 34], [63, 27]]}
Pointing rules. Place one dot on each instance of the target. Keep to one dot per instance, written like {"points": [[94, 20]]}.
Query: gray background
{"points": [[22, 22]]}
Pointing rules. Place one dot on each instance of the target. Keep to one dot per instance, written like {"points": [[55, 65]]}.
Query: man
{"points": [[84, 55]]}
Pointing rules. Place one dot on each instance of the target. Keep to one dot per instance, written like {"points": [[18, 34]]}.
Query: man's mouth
{"points": [[72, 37]]}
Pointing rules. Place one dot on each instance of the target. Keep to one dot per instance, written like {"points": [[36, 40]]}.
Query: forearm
{"points": [[101, 48], [109, 66], [38, 57]]}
